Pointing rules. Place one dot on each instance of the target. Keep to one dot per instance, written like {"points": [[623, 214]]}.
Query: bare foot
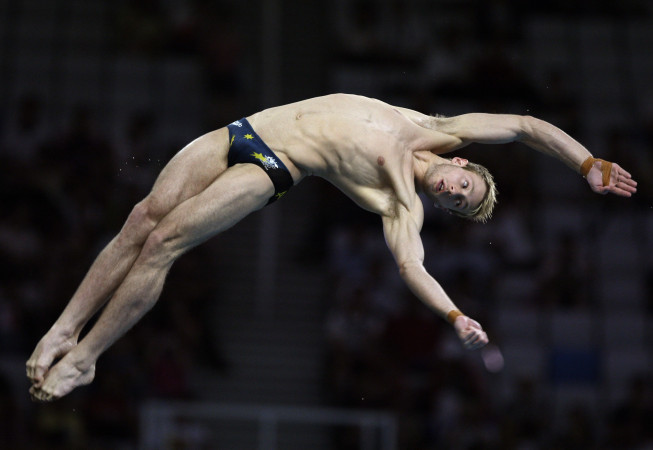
{"points": [[51, 346], [61, 379]]}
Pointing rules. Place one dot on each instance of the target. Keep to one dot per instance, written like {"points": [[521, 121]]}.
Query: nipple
{"points": [[380, 160]]}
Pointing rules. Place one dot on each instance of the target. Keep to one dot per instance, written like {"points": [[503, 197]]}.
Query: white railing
{"points": [[164, 422]]}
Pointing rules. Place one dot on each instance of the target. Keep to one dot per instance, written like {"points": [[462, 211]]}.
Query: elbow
{"points": [[525, 126], [409, 267]]}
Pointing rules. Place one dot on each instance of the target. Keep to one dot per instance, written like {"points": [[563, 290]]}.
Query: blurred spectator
{"points": [[578, 430], [141, 28], [497, 76], [412, 336], [59, 426], [138, 156], [359, 30], [111, 415], [511, 234], [497, 19], [353, 330], [24, 134], [447, 60], [188, 307], [82, 159], [565, 276], [11, 428], [526, 421], [629, 424], [560, 105]]}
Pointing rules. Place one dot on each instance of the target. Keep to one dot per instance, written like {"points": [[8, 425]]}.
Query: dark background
{"points": [[300, 305]]}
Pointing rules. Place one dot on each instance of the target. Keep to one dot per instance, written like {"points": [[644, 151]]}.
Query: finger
{"points": [[471, 338], [630, 182], [616, 190], [622, 175], [480, 342], [475, 337], [622, 171], [475, 345], [625, 187]]}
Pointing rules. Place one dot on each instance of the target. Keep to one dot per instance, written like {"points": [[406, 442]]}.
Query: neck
{"points": [[422, 161]]}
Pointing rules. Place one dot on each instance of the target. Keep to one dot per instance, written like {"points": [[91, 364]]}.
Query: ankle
{"points": [[77, 359], [62, 333]]}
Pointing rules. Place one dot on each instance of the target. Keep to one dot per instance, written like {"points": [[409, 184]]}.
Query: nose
{"points": [[452, 188]]}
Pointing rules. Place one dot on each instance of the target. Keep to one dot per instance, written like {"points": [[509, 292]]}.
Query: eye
{"points": [[458, 203], [465, 184]]}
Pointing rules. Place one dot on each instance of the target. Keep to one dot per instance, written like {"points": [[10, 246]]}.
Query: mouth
{"points": [[440, 187]]}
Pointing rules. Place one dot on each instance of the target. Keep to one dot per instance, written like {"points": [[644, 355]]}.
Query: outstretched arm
{"points": [[603, 177], [402, 236]]}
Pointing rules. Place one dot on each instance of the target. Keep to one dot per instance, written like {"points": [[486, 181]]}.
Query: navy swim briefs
{"points": [[245, 146]]}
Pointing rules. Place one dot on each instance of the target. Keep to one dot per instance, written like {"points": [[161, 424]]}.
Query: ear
{"points": [[462, 162]]}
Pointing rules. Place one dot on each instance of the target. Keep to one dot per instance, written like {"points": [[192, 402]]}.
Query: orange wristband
{"points": [[452, 315], [586, 166], [606, 169]]}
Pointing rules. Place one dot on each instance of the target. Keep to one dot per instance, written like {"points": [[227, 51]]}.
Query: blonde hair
{"points": [[483, 211]]}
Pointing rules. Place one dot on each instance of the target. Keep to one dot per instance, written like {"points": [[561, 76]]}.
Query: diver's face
{"points": [[455, 189]]}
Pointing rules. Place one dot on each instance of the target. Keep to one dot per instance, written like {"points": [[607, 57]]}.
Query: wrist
{"points": [[453, 315], [586, 166], [605, 167], [62, 332]]}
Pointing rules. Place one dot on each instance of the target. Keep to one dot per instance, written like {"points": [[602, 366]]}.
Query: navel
{"points": [[380, 160]]}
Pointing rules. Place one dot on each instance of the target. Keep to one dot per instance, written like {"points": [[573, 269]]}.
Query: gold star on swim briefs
{"points": [[249, 136], [280, 194], [259, 156], [232, 140]]}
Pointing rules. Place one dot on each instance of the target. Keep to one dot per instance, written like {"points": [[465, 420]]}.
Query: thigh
{"points": [[236, 193], [190, 171]]}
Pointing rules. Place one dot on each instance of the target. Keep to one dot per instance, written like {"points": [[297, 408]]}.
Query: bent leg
{"points": [[188, 173], [239, 191]]}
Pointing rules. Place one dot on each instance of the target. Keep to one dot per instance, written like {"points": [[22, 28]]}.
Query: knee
{"points": [[140, 223], [159, 248]]}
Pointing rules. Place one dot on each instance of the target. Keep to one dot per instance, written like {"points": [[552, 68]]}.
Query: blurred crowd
{"points": [[66, 192], [386, 349]]}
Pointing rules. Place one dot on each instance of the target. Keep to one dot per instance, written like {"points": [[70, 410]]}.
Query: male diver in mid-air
{"points": [[380, 156]]}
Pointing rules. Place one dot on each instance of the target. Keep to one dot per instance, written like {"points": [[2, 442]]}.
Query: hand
{"points": [[52, 346], [470, 333], [620, 182], [61, 379]]}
